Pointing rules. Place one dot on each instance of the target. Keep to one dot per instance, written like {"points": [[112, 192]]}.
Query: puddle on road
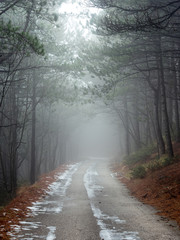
{"points": [[105, 222], [57, 190]]}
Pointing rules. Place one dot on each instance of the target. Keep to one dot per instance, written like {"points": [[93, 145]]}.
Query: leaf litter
{"points": [[23, 205]]}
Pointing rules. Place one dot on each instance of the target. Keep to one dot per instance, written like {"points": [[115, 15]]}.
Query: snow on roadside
{"points": [[56, 189], [52, 204], [51, 235], [108, 232]]}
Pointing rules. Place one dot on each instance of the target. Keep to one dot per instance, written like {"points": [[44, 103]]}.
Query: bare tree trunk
{"points": [[136, 119], [170, 107], [176, 103], [148, 129], [14, 148], [55, 151], [127, 141], [33, 136], [161, 143], [164, 103], [158, 117]]}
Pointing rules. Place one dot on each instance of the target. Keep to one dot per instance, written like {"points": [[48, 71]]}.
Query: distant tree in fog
{"points": [[34, 68], [150, 31]]}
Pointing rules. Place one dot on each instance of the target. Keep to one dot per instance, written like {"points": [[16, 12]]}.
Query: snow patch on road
{"points": [[113, 175], [56, 191], [89, 182], [107, 232], [101, 216], [28, 227], [51, 235], [63, 181]]}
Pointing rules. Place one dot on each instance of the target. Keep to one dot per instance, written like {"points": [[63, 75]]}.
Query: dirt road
{"points": [[88, 203]]}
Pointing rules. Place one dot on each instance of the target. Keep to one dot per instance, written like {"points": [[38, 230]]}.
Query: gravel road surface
{"points": [[87, 202]]}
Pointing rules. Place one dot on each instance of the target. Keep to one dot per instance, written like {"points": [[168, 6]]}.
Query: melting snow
{"points": [[51, 235], [114, 175], [107, 232], [56, 189], [15, 209], [46, 206]]}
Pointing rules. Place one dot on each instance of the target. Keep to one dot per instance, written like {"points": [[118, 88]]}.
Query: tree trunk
{"points": [[148, 137], [55, 148], [176, 103], [161, 144], [136, 119], [127, 135], [33, 136], [164, 103], [13, 142]]}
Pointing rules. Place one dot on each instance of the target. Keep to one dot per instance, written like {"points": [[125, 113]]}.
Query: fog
{"points": [[85, 79], [97, 138]]}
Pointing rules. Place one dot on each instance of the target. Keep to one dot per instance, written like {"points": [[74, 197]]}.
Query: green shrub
{"points": [[153, 166], [140, 155], [138, 172], [167, 161], [160, 163]]}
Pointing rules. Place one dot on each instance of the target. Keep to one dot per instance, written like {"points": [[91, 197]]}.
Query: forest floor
{"points": [[160, 189], [17, 209]]}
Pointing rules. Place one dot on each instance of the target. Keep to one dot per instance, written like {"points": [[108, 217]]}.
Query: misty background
{"points": [[83, 79]]}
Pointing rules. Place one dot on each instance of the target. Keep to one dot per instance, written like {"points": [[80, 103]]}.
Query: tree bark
{"points": [[164, 103], [33, 136], [137, 129], [127, 135], [14, 147], [176, 103], [161, 144]]}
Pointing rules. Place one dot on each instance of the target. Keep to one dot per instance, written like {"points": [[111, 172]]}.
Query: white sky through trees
{"points": [[78, 16]]}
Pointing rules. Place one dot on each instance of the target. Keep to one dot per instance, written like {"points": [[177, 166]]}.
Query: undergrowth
{"points": [[140, 162], [141, 155], [141, 170], [138, 172]]}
